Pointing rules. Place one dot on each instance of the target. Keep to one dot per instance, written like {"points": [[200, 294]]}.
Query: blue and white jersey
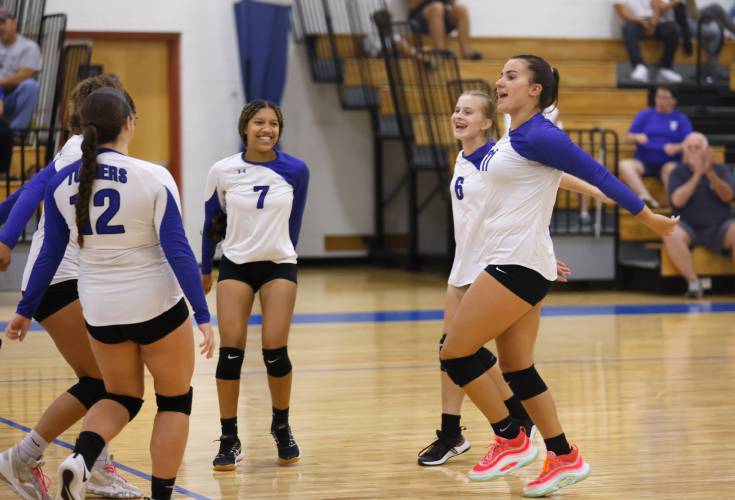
{"points": [[23, 206], [521, 175], [135, 260], [469, 202], [264, 203]]}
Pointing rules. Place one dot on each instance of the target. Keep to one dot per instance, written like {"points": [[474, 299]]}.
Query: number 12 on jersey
{"points": [[263, 190], [103, 222]]}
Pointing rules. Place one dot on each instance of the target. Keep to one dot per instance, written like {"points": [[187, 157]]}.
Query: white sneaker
{"points": [[640, 73], [26, 479], [669, 76], [73, 477], [106, 482]]}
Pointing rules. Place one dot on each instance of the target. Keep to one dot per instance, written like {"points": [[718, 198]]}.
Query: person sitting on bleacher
{"points": [[658, 134], [437, 18], [20, 62], [643, 18], [700, 193]]}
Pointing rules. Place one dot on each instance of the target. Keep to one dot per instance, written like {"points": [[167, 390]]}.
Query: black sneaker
{"points": [[443, 449], [230, 453], [288, 450]]}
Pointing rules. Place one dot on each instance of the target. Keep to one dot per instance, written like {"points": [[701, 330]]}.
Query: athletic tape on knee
{"points": [[88, 391], [180, 403], [277, 363], [130, 403], [230, 362], [525, 383], [462, 371]]}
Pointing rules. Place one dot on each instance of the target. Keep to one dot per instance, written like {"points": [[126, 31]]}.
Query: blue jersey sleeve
{"points": [[551, 146], [25, 205], [181, 258], [56, 238], [212, 209], [7, 205], [301, 188]]}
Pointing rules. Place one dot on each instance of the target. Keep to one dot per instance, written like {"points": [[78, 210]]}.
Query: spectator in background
{"points": [[438, 18], [700, 194], [715, 21], [643, 18], [658, 134], [20, 62]]}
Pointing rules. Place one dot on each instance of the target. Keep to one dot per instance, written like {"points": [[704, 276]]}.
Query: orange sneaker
{"points": [[558, 472], [504, 456]]}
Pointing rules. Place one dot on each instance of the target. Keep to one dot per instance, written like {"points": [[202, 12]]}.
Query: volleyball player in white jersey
{"points": [[61, 316], [134, 261], [261, 195], [474, 123], [521, 175]]}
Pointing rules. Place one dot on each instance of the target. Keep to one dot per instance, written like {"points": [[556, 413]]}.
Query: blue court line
{"points": [[120, 466], [438, 314]]}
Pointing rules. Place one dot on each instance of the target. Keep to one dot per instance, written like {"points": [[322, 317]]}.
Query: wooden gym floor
{"points": [[644, 386]]}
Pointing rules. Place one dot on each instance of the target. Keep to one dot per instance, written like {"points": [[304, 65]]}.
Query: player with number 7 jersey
{"points": [[254, 205]]}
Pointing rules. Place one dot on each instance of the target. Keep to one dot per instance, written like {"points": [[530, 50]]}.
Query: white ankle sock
{"points": [[101, 459], [32, 446]]}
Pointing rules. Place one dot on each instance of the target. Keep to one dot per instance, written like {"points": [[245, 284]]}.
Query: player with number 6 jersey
{"points": [[254, 205]]}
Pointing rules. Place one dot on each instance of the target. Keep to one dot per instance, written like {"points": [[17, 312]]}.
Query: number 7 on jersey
{"points": [[263, 191]]}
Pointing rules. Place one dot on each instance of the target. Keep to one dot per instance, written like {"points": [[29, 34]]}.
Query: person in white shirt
{"points": [[643, 18], [134, 262], [521, 175], [60, 314], [474, 123], [254, 204]]}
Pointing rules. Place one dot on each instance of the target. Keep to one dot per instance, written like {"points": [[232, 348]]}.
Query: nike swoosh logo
{"points": [[34, 442], [230, 356], [500, 271], [503, 429], [271, 361]]}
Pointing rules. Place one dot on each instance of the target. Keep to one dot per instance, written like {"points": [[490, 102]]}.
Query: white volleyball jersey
{"points": [[521, 174], [264, 204], [135, 252], [69, 267], [468, 194]]}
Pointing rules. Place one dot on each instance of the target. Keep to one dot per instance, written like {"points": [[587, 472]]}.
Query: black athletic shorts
{"points": [[522, 281], [145, 332], [56, 298], [256, 274]]}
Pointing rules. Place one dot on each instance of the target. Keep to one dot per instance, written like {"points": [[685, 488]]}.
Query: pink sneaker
{"points": [[558, 472], [505, 455]]}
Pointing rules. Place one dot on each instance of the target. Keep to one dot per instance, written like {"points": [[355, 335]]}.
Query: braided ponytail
{"points": [[87, 174]]}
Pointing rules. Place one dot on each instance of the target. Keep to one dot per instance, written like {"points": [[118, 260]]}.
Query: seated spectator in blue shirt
{"points": [[20, 62], [658, 134], [700, 194]]}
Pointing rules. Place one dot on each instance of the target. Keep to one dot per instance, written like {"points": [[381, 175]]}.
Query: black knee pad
{"points": [[462, 371], [525, 383], [130, 403], [180, 403], [486, 356], [88, 391], [230, 362], [441, 344], [277, 363]]}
